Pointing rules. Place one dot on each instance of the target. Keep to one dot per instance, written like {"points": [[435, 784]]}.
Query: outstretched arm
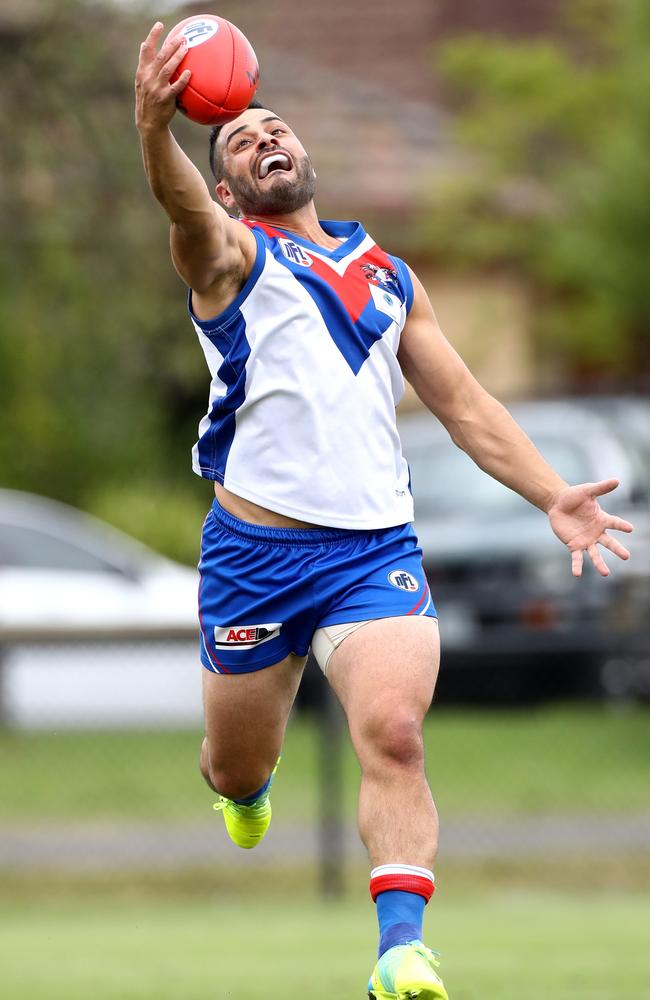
{"points": [[207, 245], [483, 428]]}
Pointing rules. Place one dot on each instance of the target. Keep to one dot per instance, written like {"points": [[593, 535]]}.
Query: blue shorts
{"points": [[265, 591]]}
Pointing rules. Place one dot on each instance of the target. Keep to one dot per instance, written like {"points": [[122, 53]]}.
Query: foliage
{"points": [[168, 515], [101, 378], [102, 384], [556, 180]]}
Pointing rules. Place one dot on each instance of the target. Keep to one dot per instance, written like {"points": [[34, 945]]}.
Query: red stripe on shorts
{"points": [[421, 601], [212, 656]]}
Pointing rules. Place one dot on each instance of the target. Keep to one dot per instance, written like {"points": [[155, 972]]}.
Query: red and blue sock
{"points": [[401, 892]]}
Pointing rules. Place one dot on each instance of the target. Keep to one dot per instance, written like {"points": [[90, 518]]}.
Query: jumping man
{"points": [[308, 328]]}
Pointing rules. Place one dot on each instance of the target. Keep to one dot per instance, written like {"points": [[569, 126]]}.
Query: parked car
{"points": [[95, 628], [514, 622], [60, 567]]}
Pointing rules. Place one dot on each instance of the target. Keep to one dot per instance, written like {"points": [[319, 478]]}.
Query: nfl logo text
{"points": [[295, 253], [403, 580], [200, 30]]}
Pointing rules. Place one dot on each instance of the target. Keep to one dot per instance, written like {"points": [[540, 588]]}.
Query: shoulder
{"points": [[405, 280], [239, 270]]}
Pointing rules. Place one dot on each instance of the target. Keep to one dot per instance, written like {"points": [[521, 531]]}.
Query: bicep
{"points": [[434, 368]]}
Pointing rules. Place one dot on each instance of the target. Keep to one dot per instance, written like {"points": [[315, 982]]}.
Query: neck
{"points": [[303, 222]]}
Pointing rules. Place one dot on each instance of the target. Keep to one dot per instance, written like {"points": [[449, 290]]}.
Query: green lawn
{"points": [[517, 762], [510, 946], [214, 934]]}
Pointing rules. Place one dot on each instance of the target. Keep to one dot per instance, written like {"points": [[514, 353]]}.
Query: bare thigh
{"points": [[384, 675], [245, 721]]}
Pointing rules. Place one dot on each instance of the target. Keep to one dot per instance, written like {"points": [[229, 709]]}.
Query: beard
{"points": [[284, 194]]}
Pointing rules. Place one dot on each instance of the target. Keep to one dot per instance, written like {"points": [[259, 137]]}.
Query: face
{"points": [[266, 168]]}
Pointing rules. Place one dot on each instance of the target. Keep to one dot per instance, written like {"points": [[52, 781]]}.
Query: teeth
{"points": [[276, 158]]}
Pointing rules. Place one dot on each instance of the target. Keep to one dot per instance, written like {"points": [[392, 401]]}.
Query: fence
{"points": [[98, 773], [66, 695]]}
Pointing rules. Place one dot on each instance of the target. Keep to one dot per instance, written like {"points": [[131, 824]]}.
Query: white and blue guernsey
{"points": [[305, 381]]}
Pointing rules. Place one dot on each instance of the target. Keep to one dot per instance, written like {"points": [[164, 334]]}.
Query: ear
{"points": [[224, 195]]}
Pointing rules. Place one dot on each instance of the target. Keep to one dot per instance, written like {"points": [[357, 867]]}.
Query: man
{"points": [[307, 327]]}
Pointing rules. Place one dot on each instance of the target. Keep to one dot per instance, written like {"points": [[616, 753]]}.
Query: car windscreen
{"points": [[30, 548], [445, 481]]}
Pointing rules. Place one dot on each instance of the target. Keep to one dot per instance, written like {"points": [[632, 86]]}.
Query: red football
{"points": [[225, 71]]}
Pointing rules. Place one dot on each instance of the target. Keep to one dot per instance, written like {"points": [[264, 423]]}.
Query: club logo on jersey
{"points": [[403, 580], [384, 277], [198, 31], [244, 636], [295, 253]]}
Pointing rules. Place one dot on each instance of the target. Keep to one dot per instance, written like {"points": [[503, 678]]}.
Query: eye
{"points": [[275, 130], [241, 142]]}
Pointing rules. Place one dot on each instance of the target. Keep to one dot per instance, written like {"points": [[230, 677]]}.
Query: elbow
{"points": [[476, 421], [464, 412], [462, 431]]}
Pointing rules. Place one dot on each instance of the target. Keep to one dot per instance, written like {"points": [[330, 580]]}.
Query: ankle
{"points": [[260, 795], [401, 893]]}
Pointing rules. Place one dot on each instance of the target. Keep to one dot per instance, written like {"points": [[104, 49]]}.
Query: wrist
{"points": [[551, 498], [150, 131]]}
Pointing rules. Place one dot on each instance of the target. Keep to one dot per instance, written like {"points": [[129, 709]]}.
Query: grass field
{"points": [[513, 929], [510, 946], [561, 759]]}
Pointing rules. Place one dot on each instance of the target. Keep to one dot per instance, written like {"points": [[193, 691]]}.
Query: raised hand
{"points": [[579, 521], [155, 96]]}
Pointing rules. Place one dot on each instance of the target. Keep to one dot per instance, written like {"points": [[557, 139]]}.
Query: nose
{"points": [[266, 140]]}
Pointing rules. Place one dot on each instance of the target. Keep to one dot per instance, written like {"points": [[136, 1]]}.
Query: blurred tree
{"points": [[556, 179], [101, 383]]}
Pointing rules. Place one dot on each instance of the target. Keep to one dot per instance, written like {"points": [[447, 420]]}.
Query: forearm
{"points": [[204, 244], [486, 431], [175, 181]]}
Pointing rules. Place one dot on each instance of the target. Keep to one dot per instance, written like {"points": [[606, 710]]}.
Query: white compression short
{"points": [[329, 638]]}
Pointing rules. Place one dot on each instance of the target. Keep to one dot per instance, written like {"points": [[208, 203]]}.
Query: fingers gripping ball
{"points": [[225, 71]]}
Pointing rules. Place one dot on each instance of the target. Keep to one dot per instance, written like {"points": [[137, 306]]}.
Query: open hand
{"points": [[155, 96], [579, 521]]}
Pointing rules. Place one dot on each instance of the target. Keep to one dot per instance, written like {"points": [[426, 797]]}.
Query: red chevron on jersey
{"points": [[351, 287]]}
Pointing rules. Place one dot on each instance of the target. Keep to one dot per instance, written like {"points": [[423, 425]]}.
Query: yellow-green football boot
{"points": [[246, 825], [407, 972]]}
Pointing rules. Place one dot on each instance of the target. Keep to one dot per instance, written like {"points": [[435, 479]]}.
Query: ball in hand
{"points": [[225, 71]]}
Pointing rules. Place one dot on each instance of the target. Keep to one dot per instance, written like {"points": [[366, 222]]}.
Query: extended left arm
{"points": [[483, 428]]}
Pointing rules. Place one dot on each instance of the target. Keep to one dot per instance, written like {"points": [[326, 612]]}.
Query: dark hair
{"points": [[216, 160]]}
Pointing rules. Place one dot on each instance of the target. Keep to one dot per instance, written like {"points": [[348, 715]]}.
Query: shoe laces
{"points": [[432, 955], [223, 803]]}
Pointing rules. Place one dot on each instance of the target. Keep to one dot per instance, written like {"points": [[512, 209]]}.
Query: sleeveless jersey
{"points": [[305, 380]]}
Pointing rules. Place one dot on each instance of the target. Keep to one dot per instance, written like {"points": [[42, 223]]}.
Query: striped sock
{"points": [[401, 892]]}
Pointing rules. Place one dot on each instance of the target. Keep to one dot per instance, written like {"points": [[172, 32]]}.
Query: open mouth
{"points": [[272, 162]]}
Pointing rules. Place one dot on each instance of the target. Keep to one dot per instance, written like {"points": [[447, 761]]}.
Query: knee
{"points": [[234, 786], [229, 779], [393, 738]]}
